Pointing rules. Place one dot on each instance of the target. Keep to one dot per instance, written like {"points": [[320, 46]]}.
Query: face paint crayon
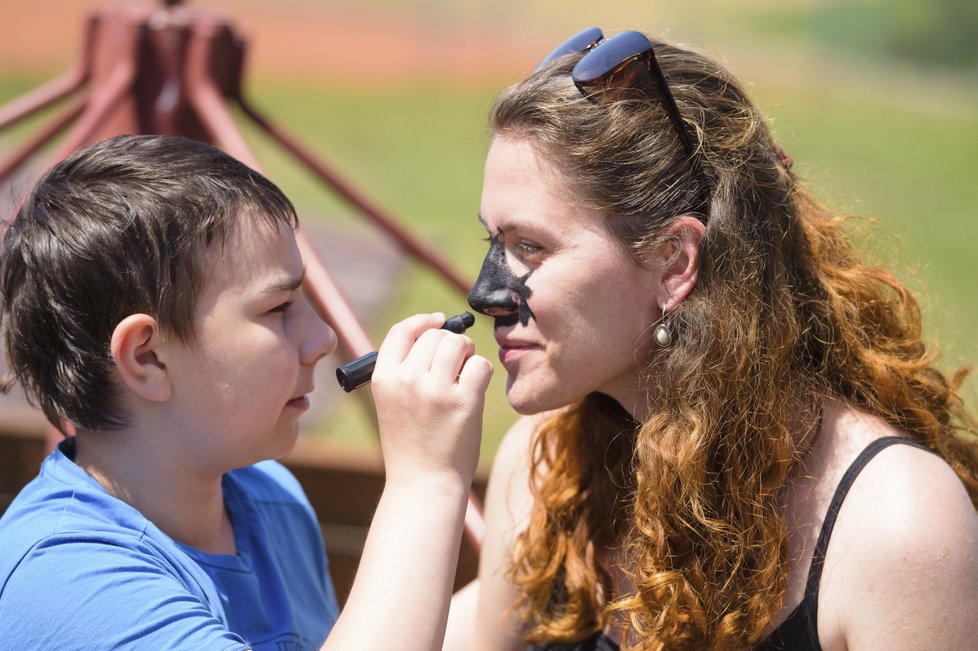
{"points": [[498, 292], [355, 374]]}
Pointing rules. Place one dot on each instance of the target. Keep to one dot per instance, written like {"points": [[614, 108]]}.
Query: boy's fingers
{"points": [[475, 374], [449, 357], [402, 335], [422, 353]]}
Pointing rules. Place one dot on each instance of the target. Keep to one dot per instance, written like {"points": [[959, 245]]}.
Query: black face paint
{"points": [[497, 292]]}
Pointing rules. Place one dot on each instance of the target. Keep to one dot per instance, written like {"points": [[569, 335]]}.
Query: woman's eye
{"points": [[528, 249]]}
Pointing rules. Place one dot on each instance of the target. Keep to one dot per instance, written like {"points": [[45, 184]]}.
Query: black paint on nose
{"points": [[497, 292]]}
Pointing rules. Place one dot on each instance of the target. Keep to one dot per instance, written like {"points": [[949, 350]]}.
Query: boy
{"points": [[151, 296]]}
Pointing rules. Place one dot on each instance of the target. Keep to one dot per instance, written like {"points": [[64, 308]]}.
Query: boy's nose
{"points": [[319, 340]]}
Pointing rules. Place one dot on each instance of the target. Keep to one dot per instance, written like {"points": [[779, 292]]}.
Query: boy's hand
{"points": [[429, 388]]}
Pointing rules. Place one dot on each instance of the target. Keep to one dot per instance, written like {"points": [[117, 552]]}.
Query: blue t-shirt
{"points": [[80, 569]]}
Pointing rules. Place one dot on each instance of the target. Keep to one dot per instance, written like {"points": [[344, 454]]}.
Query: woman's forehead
{"points": [[522, 189]]}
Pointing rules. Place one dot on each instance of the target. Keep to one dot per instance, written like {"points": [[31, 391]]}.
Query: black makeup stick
{"points": [[355, 374]]}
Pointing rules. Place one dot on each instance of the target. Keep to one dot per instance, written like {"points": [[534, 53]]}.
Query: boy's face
{"points": [[241, 386]]}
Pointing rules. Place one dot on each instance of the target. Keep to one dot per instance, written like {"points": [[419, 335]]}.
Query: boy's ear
{"points": [[135, 341], [679, 261]]}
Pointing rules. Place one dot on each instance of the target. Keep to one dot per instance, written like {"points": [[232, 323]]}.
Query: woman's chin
{"points": [[527, 401]]}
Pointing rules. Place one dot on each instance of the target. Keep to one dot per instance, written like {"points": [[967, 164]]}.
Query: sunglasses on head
{"points": [[625, 59]]}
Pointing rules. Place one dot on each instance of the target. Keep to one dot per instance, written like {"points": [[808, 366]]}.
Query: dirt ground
{"points": [[298, 38]]}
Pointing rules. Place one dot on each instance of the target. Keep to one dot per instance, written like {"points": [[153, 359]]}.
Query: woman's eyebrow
{"points": [[501, 229]]}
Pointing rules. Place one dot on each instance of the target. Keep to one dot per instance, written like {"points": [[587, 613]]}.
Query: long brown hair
{"points": [[785, 313]]}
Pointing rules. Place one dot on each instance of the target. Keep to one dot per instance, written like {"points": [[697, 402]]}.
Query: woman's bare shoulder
{"points": [[515, 450], [906, 542]]}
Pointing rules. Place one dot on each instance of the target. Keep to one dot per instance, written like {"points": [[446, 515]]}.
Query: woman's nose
{"points": [[493, 293], [490, 300]]}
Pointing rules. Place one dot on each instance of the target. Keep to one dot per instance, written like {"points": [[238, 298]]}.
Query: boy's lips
{"points": [[300, 402]]}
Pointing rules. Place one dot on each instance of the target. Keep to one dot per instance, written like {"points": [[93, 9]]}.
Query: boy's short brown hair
{"points": [[124, 226]]}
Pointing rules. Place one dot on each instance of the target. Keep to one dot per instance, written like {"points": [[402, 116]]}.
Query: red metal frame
{"points": [[174, 70]]}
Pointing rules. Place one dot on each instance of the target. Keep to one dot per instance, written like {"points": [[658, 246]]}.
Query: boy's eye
{"points": [[284, 307]]}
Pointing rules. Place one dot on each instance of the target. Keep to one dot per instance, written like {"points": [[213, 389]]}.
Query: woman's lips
{"points": [[510, 351]]}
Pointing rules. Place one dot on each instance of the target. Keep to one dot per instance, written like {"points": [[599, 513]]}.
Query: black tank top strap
{"points": [[800, 630], [818, 558]]}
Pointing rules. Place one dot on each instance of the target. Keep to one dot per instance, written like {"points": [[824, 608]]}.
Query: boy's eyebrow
{"points": [[289, 285]]}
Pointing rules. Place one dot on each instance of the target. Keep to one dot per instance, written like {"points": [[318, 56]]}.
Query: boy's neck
{"points": [[185, 505]]}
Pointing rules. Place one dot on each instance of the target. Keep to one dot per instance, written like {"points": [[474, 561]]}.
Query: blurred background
{"points": [[876, 100]]}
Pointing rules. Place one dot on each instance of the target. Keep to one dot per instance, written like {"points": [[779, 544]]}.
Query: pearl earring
{"points": [[663, 333]]}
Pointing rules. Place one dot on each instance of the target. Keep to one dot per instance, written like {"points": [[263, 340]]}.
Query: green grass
{"points": [[912, 171], [419, 152]]}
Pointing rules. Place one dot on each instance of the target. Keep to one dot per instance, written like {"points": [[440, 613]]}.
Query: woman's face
{"points": [[574, 312]]}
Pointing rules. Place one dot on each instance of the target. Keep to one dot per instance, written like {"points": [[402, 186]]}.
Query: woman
{"points": [[735, 437]]}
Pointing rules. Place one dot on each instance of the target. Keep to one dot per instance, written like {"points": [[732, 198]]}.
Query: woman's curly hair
{"points": [[785, 313]]}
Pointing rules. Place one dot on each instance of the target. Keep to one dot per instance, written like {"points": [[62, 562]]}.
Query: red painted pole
{"points": [[367, 208], [41, 97], [54, 90], [41, 138]]}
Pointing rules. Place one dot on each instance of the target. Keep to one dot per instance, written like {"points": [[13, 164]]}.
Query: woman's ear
{"points": [[678, 259], [134, 346]]}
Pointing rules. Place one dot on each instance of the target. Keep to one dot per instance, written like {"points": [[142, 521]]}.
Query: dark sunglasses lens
{"points": [[607, 56], [580, 42]]}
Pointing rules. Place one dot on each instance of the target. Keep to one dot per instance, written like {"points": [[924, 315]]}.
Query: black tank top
{"points": [[799, 632]]}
